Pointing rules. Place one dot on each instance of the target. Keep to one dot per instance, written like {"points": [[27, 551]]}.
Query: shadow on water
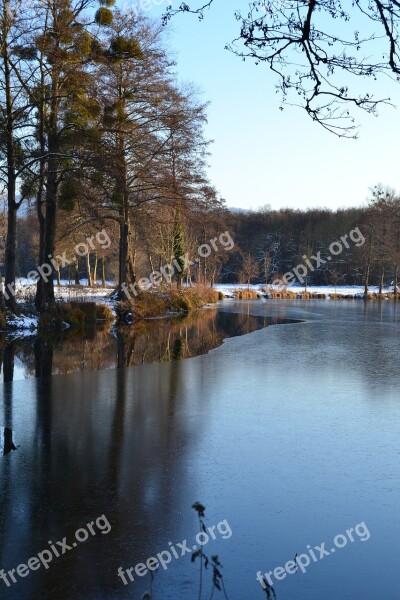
{"points": [[94, 349]]}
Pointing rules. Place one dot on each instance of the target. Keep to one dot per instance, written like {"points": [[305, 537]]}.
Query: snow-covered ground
{"points": [[26, 288], [355, 290]]}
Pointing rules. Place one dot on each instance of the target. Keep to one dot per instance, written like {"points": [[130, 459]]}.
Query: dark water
{"points": [[289, 434]]}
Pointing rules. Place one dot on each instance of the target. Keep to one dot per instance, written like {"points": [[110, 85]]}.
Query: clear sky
{"points": [[262, 155]]}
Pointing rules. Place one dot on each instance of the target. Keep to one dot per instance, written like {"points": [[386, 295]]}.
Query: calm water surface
{"points": [[290, 433]]}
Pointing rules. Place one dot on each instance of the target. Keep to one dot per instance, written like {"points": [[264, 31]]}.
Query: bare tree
{"points": [[318, 50]]}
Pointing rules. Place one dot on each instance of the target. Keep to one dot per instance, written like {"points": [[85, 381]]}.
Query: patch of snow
{"points": [[23, 322]]}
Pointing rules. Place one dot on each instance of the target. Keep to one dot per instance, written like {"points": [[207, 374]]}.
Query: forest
{"points": [[97, 134], [267, 243]]}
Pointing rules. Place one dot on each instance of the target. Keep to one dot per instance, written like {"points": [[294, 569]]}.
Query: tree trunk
{"points": [[45, 300], [368, 267], [126, 258], [89, 271], [39, 300], [366, 279], [396, 272], [11, 177], [96, 260], [2, 299], [381, 280], [76, 272], [151, 264], [10, 255], [103, 272], [50, 233], [123, 254]]}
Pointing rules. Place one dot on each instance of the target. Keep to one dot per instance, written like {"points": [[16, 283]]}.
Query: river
{"points": [[289, 435]]}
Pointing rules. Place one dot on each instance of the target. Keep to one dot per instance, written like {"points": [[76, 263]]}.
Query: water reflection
{"points": [[105, 443], [93, 349], [291, 445], [6, 441]]}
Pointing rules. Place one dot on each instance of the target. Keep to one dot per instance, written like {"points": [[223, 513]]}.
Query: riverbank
{"points": [[304, 293], [164, 302], [78, 306]]}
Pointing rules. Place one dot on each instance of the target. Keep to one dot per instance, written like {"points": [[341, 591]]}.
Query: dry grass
{"points": [[150, 305], [246, 294]]}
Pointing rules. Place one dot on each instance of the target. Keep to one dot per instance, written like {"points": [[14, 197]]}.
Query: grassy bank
{"points": [[151, 305]]}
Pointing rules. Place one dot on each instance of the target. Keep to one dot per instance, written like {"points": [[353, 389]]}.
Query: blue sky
{"points": [[262, 155]]}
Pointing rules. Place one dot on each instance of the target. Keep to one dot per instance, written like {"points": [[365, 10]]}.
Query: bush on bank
{"points": [[150, 305]]}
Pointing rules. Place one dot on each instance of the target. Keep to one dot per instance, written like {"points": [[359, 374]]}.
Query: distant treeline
{"points": [[268, 243]]}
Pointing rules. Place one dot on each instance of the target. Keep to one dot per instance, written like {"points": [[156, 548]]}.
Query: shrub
{"points": [[145, 306], [246, 294], [149, 305], [179, 301]]}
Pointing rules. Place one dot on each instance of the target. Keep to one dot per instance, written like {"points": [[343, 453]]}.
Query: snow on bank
{"points": [[26, 290], [22, 323], [355, 290]]}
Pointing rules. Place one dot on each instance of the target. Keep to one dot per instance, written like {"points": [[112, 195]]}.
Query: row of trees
{"points": [[267, 244], [275, 242], [95, 132]]}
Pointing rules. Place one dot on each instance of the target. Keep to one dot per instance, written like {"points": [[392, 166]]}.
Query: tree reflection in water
{"points": [[93, 349], [6, 441]]}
